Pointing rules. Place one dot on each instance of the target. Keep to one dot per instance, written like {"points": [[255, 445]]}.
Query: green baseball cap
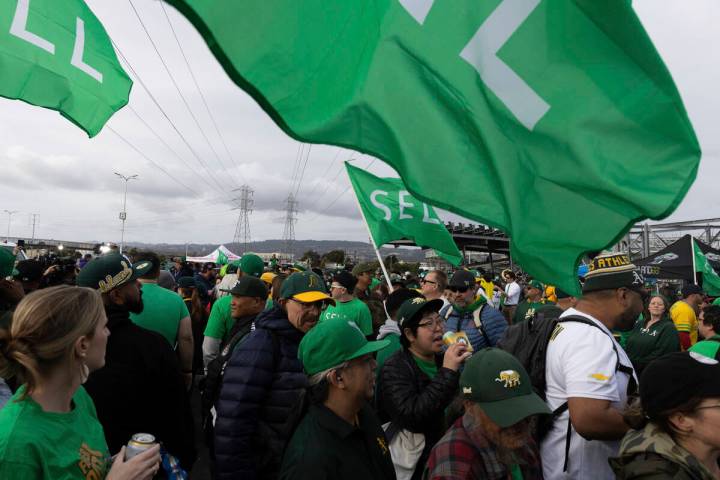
{"points": [[110, 271], [252, 264], [248, 286], [7, 262], [363, 267], [414, 306], [536, 284], [708, 348], [305, 287], [497, 381], [332, 342]]}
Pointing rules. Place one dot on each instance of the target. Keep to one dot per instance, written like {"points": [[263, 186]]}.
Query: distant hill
{"points": [[359, 250]]}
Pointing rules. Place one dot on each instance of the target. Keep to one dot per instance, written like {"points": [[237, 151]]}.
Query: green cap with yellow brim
{"points": [[306, 287]]}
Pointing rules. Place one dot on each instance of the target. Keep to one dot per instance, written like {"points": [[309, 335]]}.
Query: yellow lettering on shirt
{"points": [[91, 463], [383, 445], [599, 376]]}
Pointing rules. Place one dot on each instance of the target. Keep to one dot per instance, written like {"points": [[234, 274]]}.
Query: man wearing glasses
{"points": [[467, 313], [347, 307], [433, 286], [263, 381]]}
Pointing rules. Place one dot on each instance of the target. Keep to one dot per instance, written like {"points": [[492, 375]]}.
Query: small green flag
{"points": [[391, 213], [56, 54], [553, 120], [710, 279], [222, 259]]}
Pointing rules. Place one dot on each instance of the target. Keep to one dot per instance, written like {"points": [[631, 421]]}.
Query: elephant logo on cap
{"points": [[511, 378]]}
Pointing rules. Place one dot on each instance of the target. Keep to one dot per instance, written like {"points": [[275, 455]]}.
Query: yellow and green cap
{"points": [[500, 385], [110, 271], [305, 287], [333, 342]]}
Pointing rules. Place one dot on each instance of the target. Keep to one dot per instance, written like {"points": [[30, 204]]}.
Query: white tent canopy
{"points": [[213, 257]]}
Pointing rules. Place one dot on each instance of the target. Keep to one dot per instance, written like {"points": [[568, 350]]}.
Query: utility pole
{"points": [[34, 217], [10, 214], [242, 228], [291, 208], [123, 214]]}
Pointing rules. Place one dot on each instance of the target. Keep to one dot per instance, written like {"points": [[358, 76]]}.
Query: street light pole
{"points": [[123, 214], [10, 214]]}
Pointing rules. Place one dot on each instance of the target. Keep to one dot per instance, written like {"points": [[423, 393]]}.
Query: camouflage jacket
{"points": [[651, 454]]}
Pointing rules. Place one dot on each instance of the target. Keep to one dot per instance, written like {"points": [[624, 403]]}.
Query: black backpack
{"points": [[528, 342]]}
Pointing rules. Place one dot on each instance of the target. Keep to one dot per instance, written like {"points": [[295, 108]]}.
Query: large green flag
{"points": [[553, 120], [56, 54], [391, 213], [710, 279]]}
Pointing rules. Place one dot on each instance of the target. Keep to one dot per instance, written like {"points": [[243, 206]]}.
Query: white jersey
{"points": [[512, 293], [581, 362]]}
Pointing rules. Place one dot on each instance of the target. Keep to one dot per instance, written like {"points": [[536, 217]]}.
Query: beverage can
{"points": [[457, 337], [139, 443]]}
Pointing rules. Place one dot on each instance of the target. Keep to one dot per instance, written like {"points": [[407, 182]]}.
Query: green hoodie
{"points": [[651, 454]]}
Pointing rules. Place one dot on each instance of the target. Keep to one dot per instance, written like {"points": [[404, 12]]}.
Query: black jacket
{"points": [[261, 385], [413, 401], [140, 389]]}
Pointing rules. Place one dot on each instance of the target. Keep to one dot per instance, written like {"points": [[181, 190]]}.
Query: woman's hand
{"points": [[143, 466]]}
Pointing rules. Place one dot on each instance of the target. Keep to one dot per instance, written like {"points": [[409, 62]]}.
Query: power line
{"points": [[342, 169], [139, 152], [199, 90], [318, 181], [302, 173], [220, 188], [177, 87], [339, 196]]}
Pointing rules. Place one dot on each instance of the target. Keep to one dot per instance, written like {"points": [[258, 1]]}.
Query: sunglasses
{"points": [[458, 289], [321, 305], [428, 281]]}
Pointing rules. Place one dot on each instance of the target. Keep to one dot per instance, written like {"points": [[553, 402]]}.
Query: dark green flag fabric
{"points": [[554, 120], [56, 54], [391, 213], [710, 278]]}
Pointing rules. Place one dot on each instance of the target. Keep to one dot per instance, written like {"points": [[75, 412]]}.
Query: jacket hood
{"points": [[388, 328], [653, 440]]}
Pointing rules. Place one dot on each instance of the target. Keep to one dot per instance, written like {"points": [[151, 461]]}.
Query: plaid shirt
{"points": [[462, 455]]}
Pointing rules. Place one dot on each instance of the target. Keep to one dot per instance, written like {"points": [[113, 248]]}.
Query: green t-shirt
{"points": [[523, 309], [162, 312], [221, 321], [38, 445], [716, 301], [355, 310], [429, 368], [643, 345]]}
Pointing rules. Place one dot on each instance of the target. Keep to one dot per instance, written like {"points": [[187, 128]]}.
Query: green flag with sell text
{"points": [[56, 54], [391, 213], [710, 279], [553, 120]]}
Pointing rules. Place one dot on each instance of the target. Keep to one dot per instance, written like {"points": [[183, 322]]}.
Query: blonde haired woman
{"points": [[49, 429]]}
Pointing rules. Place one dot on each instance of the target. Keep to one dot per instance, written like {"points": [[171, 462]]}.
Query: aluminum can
{"points": [[138, 444]]}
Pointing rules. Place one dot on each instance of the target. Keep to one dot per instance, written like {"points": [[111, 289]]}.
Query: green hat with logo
{"points": [[708, 348], [7, 262], [414, 306], [248, 286], [536, 284], [498, 383], [251, 264], [305, 287], [332, 342], [110, 271]]}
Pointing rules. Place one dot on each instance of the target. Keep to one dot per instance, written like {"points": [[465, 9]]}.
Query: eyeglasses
{"points": [[423, 281], [336, 285], [433, 321], [708, 406], [320, 306], [458, 289]]}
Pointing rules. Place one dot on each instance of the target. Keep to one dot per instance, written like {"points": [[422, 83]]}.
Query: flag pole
{"points": [[692, 249], [372, 240]]}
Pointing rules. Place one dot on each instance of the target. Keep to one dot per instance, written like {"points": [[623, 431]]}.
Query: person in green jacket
{"points": [[533, 302], [653, 336], [674, 427]]}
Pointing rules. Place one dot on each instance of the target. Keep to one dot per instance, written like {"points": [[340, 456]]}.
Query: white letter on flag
{"points": [[384, 208], [481, 53], [401, 200], [419, 9], [426, 215], [78, 50], [19, 28]]}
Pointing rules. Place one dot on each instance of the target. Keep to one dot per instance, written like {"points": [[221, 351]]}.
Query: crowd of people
{"points": [[283, 372]]}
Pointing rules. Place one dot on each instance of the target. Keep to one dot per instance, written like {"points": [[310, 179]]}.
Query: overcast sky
{"points": [[51, 168]]}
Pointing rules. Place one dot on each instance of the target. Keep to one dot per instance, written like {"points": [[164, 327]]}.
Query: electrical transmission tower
{"points": [[34, 221], [242, 229], [291, 209]]}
